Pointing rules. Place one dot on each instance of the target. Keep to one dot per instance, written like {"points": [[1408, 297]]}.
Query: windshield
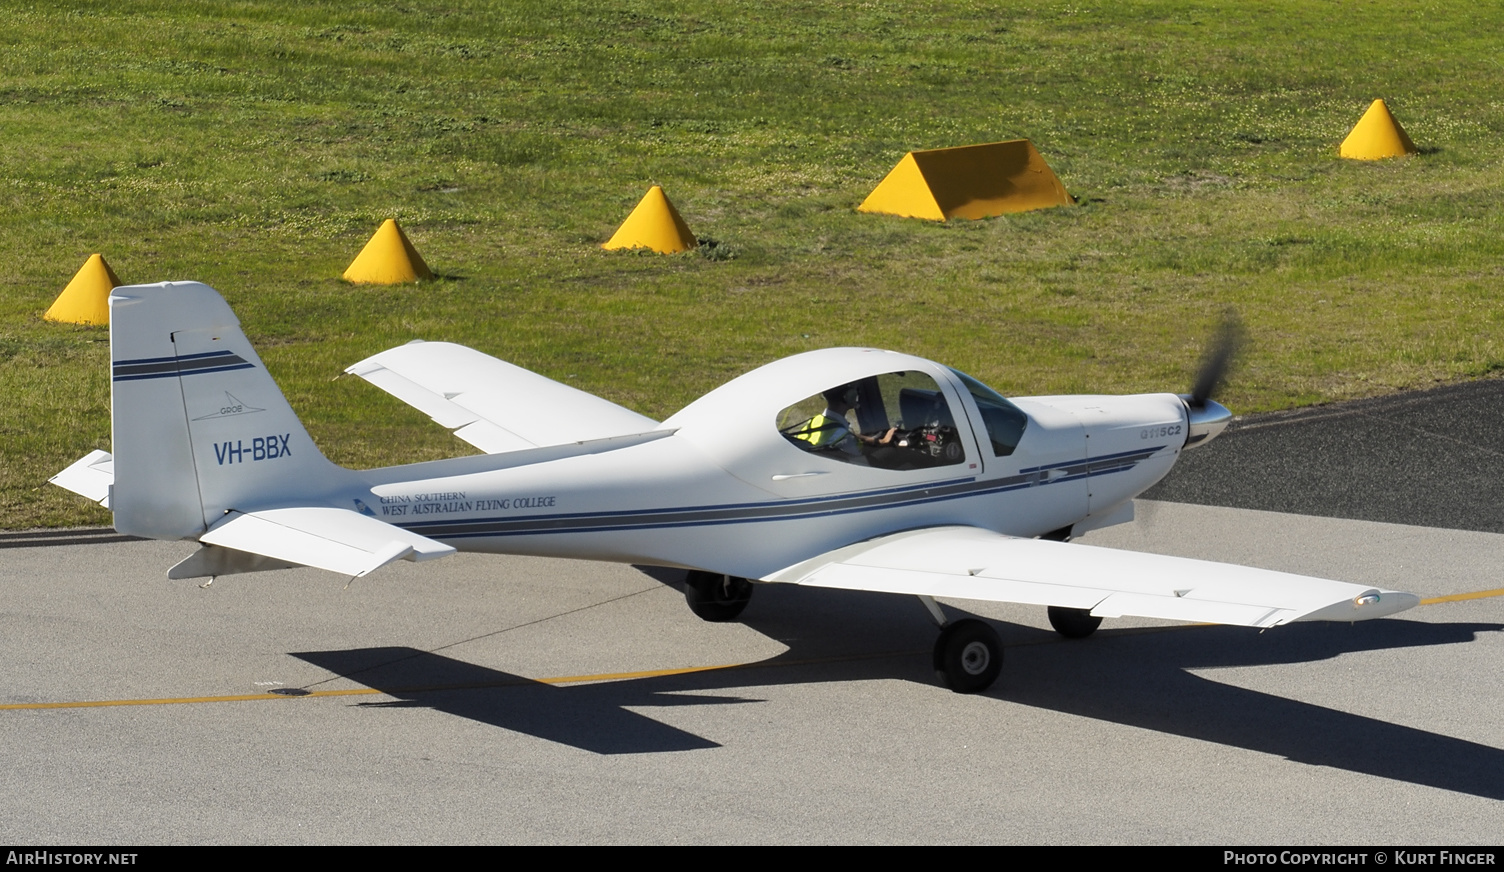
{"points": [[1005, 422]]}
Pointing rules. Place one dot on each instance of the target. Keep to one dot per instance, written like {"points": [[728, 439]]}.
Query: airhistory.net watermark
{"points": [[67, 858]]}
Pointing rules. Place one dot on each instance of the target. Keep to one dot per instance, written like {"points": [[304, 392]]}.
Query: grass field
{"points": [[255, 146]]}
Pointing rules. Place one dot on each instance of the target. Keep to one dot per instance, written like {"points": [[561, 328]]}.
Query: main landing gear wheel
{"points": [[968, 656], [716, 597], [1074, 623]]}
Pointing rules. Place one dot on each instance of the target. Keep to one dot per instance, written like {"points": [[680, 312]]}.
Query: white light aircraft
{"points": [[846, 468]]}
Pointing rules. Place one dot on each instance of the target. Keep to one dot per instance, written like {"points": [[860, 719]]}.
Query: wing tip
{"points": [[1366, 606]]}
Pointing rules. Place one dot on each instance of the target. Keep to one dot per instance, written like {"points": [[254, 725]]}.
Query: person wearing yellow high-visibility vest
{"points": [[829, 430]]}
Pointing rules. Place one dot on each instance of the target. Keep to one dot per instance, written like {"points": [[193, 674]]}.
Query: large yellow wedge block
{"points": [[970, 181], [388, 259], [86, 299], [655, 224], [1377, 135]]}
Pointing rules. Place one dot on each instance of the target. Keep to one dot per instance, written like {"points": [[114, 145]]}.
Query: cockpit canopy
{"points": [[860, 407], [897, 420]]}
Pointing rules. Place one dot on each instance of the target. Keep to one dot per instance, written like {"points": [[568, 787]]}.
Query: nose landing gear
{"points": [[716, 597]]}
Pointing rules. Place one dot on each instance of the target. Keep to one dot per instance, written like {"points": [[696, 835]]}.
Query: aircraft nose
{"points": [[1205, 421]]}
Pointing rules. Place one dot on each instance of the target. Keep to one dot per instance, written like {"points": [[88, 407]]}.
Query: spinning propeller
{"points": [[1206, 416]]}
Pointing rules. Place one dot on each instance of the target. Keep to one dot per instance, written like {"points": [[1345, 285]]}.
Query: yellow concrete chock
{"points": [[655, 224], [86, 299], [1377, 135], [388, 259], [969, 181]]}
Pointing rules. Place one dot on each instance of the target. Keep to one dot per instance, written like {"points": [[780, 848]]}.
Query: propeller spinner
{"points": [[1207, 417]]}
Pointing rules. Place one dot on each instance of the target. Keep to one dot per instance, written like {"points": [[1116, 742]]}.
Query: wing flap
{"points": [[492, 404], [90, 476], [890, 580], [1197, 610], [969, 563], [338, 540]]}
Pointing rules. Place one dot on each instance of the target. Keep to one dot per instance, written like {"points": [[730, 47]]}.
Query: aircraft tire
{"points": [[1074, 623], [968, 656], [715, 597]]}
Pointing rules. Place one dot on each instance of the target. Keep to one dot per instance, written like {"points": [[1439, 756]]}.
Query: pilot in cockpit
{"points": [[859, 425], [832, 429]]}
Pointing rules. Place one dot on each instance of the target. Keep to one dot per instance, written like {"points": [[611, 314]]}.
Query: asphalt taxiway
{"points": [[486, 699]]}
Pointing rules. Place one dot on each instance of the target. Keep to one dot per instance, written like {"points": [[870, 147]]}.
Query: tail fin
{"points": [[200, 428]]}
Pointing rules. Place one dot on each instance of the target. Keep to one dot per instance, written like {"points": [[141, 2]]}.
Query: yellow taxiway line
{"points": [[1459, 597]]}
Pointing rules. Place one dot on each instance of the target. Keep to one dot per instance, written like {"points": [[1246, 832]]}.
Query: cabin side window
{"points": [[898, 420]]}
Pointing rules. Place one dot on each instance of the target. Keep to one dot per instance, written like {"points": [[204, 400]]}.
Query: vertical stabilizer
{"points": [[199, 427]]}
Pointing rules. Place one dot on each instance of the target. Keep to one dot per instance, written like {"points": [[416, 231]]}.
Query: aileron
{"points": [[491, 404]]}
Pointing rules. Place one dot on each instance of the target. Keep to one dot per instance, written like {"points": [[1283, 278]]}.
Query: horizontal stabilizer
{"points": [[492, 404], [89, 476], [969, 563], [339, 540]]}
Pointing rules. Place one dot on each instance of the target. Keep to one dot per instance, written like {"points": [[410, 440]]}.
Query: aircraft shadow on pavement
{"points": [[1138, 679], [1143, 680], [591, 717]]}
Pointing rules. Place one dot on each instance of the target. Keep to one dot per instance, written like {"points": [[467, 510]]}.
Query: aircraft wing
{"points": [[492, 404], [970, 563], [338, 540], [89, 476]]}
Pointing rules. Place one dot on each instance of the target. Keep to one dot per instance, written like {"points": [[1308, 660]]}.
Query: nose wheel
{"points": [[716, 597], [968, 656]]}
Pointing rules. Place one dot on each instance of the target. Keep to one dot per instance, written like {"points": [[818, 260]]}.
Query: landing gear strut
{"points": [[716, 597], [1074, 623]]}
